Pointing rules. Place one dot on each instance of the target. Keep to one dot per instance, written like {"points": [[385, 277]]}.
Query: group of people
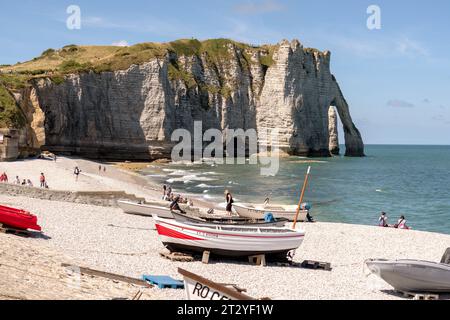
{"points": [[25, 182], [401, 223], [175, 201]]}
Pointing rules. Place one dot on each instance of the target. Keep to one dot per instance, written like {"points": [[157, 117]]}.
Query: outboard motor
{"points": [[306, 206], [268, 217]]}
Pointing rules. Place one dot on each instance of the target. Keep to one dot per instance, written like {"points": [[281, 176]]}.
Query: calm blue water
{"points": [[409, 180]]}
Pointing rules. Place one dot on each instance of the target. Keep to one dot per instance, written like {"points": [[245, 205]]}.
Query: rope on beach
{"points": [[115, 253]]}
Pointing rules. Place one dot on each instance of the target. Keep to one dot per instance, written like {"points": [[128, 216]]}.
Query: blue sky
{"points": [[395, 79]]}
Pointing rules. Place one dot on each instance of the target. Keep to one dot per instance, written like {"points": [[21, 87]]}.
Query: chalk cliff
{"points": [[131, 113]]}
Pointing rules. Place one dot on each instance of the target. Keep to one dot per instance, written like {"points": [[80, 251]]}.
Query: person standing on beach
{"points": [[4, 177], [42, 180], [169, 193], [164, 192], [100, 169], [230, 201], [17, 181], [76, 172]]}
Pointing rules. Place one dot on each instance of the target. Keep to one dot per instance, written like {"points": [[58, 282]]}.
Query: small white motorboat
{"points": [[413, 275], [233, 241], [228, 221], [148, 210], [253, 211], [198, 288]]}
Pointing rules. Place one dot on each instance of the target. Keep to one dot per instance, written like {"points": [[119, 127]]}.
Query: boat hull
{"points": [[199, 288], [413, 275], [145, 209], [228, 221], [258, 212], [18, 219], [228, 241]]}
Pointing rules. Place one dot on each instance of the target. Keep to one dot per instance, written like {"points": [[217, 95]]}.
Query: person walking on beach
{"points": [[76, 172], [230, 201], [42, 180], [100, 169], [17, 181]]}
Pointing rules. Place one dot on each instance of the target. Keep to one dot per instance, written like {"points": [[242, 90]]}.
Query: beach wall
{"points": [[131, 114], [96, 198], [9, 144]]}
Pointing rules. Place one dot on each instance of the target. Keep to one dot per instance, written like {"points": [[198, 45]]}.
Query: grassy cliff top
{"points": [[75, 58]]}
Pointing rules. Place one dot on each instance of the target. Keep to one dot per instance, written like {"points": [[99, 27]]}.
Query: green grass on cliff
{"points": [[10, 114], [75, 58], [55, 64]]}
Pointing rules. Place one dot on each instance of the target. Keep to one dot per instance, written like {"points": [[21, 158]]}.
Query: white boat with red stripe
{"points": [[234, 241]]}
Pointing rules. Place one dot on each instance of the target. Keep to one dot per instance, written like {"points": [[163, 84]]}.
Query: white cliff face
{"points": [[333, 131], [131, 114]]}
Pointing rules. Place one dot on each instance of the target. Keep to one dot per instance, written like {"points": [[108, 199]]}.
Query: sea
{"points": [[413, 181]]}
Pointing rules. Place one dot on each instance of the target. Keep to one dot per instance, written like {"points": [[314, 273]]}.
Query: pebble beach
{"points": [[106, 239]]}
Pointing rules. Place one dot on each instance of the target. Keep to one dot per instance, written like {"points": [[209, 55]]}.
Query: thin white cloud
{"points": [[409, 47], [121, 43], [99, 22], [259, 7], [376, 47], [400, 104], [241, 31], [148, 25]]}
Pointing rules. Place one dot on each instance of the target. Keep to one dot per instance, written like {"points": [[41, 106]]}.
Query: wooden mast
{"points": [[305, 184]]}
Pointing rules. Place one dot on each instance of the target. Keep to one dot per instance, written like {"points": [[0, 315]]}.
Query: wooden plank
{"points": [[206, 256], [110, 276]]}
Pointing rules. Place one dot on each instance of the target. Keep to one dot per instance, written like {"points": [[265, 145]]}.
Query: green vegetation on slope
{"points": [[10, 115], [75, 58]]}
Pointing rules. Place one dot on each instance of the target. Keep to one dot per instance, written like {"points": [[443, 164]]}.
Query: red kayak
{"points": [[18, 219]]}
